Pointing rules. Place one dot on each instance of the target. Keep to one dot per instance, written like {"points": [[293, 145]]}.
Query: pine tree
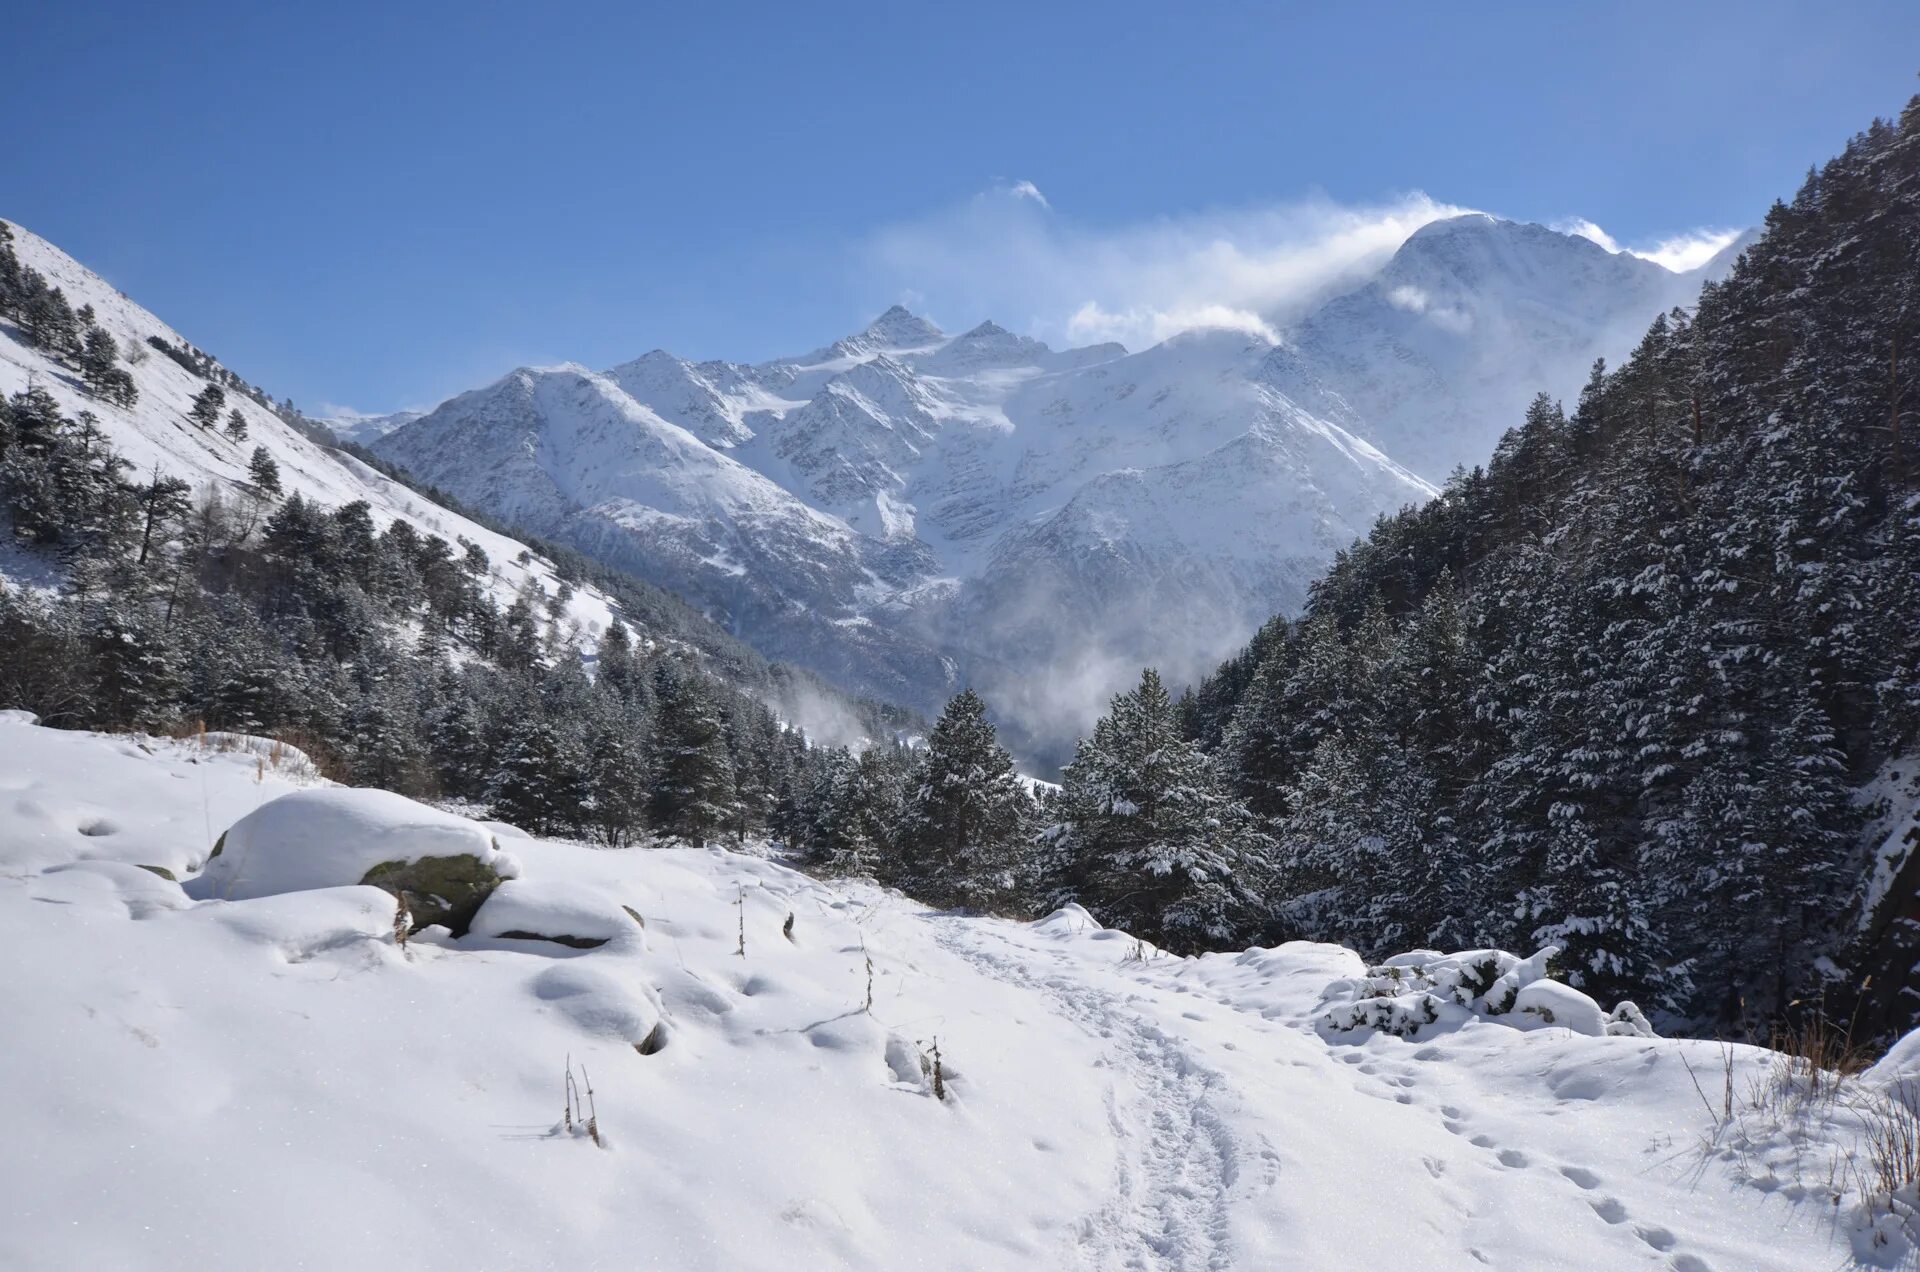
{"points": [[138, 677], [48, 320], [164, 503], [618, 786], [99, 368], [264, 472], [967, 817], [205, 410], [1147, 841], [236, 426], [540, 784], [693, 779]]}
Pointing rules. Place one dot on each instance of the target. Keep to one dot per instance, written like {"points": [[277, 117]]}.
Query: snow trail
{"points": [[1178, 1161]]}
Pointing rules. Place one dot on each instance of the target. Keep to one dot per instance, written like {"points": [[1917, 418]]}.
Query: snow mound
{"points": [[1900, 1066], [443, 865], [1069, 920], [603, 1005], [299, 926], [549, 910], [1411, 991]]}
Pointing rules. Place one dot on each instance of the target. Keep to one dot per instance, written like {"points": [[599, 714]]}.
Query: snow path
{"points": [[1169, 1204]]}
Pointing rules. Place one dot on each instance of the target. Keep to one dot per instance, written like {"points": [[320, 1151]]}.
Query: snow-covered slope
{"points": [[1440, 354], [276, 1082], [155, 434]]}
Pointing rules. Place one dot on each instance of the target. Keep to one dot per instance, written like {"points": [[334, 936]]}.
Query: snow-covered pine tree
{"points": [[540, 784], [967, 818], [1147, 840]]}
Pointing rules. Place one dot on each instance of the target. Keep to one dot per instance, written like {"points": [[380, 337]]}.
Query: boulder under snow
{"points": [[442, 865]]}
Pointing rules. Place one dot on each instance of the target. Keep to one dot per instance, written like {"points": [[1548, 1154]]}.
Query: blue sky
{"points": [[378, 205]]}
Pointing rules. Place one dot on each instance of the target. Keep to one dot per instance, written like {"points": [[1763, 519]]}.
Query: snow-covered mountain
{"points": [[906, 509], [1439, 354], [354, 426]]}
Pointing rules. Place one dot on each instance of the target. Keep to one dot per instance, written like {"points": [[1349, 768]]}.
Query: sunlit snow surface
{"points": [[276, 1083]]}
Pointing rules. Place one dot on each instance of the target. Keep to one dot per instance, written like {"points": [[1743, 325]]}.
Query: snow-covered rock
{"points": [[1901, 1065], [555, 910], [442, 865]]}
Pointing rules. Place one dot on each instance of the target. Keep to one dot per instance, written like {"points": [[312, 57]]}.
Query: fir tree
{"points": [[540, 784]]}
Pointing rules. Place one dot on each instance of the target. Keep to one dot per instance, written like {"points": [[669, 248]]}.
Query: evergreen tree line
{"points": [[380, 651], [1140, 830], [1618, 690]]}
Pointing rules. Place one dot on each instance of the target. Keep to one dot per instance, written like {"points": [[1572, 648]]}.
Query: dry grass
{"points": [[1892, 1135]]}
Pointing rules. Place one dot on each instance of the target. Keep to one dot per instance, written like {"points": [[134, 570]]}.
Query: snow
{"points": [[276, 1081], [332, 837]]}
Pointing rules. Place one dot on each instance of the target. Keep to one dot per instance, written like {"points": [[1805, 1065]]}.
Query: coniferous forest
{"points": [[1627, 689]]}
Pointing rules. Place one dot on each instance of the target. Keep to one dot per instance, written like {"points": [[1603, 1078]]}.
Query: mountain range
{"points": [[906, 510]]}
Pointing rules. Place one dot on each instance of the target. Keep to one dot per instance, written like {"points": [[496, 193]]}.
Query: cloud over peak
{"points": [[1679, 253], [1008, 253]]}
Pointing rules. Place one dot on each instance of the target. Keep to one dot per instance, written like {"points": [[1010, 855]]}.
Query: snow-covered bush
{"points": [[443, 865], [1411, 991]]}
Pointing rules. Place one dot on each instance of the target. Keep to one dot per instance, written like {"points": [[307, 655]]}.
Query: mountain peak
{"points": [[985, 330], [901, 328]]}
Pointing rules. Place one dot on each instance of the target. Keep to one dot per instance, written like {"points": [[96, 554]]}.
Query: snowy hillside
{"points": [[156, 435], [906, 509], [249, 1068]]}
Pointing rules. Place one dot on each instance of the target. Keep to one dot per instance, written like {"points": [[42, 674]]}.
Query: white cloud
{"points": [[1412, 299], [1092, 324], [1688, 251], [1588, 230], [1028, 190], [1006, 254], [1679, 253]]}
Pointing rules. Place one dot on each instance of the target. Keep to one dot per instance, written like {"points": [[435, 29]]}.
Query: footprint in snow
{"points": [[1513, 1158], [1581, 1176], [1609, 1209]]}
